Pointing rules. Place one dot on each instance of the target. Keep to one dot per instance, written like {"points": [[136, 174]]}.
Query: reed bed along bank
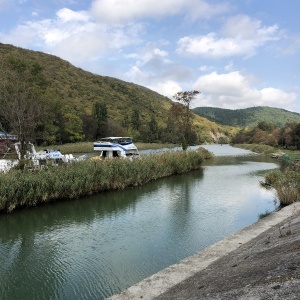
{"points": [[29, 188], [286, 185], [87, 147]]}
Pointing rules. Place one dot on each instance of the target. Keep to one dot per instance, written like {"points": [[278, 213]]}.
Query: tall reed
{"points": [[286, 184], [28, 188]]}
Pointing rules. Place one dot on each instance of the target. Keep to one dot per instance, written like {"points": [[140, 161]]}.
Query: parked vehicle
{"points": [[111, 147]]}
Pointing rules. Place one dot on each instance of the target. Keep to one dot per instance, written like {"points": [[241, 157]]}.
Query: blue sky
{"points": [[238, 53]]}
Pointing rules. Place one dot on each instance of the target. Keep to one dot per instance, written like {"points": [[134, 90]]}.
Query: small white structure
{"points": [[111, 147], [45, 155], [38, 159], [7, 164]]}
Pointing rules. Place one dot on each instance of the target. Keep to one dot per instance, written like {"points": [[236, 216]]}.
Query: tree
{"points": [[21, 97], [150, 131], [296, 136], [186, 98], [73, 126], [135, 119], [266, 126], [170, 133], [101, 116]]}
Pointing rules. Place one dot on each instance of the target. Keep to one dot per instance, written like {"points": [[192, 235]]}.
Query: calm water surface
{"points": [[95, 247]]}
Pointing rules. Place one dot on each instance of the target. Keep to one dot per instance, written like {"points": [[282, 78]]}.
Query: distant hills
{"points": [[72, 92], [248, 116]]}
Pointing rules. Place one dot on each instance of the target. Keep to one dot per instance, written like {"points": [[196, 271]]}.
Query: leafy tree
{"points": [[101, 116], [266, 126], [73, 128], [177, 119], [135, 119], [89, 126], [296, 136], [151, 131], [115, 128], [125, 121], [170, 134], [287, 134], [186, 98]]}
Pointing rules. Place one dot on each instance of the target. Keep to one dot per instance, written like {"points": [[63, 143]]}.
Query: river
{"points": [[97, 246]]}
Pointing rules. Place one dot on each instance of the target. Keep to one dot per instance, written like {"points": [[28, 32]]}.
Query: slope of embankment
{"points": [[260, 262]]}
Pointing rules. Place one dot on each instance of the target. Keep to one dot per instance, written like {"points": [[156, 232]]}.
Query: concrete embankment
{"points": [[261, 261]]}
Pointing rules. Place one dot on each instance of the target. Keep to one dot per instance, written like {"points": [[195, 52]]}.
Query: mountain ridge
{"points": [[250, 116]]}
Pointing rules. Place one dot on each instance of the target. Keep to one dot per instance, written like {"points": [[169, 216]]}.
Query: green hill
{"points": [[248, 116], [69, 94]]}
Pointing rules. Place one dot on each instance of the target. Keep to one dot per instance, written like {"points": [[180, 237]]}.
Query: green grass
{"points": [[68, 181], [87, 147]]}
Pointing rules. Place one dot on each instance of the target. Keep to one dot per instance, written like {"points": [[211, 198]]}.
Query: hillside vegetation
{"points": [[248, 116], [76, 105]]}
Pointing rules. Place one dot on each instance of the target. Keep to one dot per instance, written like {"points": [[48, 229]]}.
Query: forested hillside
{"points": [[268, 134], [248, 116], [59, 103]]}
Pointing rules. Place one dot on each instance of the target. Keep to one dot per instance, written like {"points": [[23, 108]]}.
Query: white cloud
{"points": [[67, 15], [206, 68], [156, 71], [116, 11], [167, 88], [234, 90], [35, 13], [229, 67], [127, 10], [74, 36], [245, 28], [205, 10], [241, 37], [212, 46]]}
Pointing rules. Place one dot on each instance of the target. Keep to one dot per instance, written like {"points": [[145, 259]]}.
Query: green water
{"points": [[95, 247]]}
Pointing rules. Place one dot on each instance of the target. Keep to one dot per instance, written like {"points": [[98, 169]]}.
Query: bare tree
{"points": [[186, 98], [20, 97]]}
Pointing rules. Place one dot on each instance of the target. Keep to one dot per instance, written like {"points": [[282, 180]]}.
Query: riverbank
{"points": [[260, 261], [87, 147], [269, 150], [25, 188]]}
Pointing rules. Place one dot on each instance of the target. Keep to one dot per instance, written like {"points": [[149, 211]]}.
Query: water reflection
{"points": [[94, 247]]}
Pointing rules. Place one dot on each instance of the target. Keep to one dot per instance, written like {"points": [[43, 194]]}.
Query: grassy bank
{"points": [[257, 148], [87, 147], [266, 149], [286, 184], [28, 188]]}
